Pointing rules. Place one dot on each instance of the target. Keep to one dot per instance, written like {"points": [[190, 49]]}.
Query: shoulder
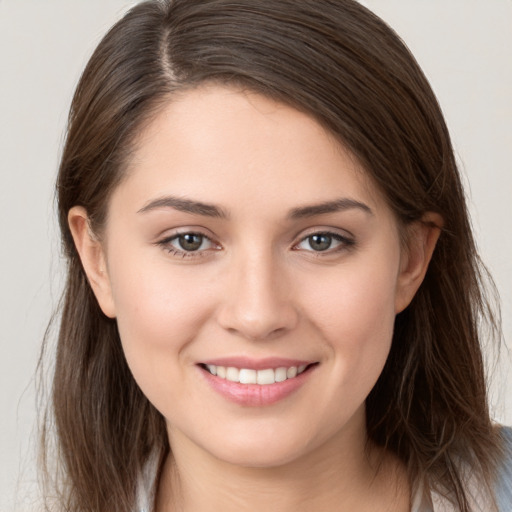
{"points": [[504, 476], [477, 494], [506, 434]]}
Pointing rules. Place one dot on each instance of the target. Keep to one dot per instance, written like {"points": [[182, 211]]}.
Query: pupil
{"points": [[320, 242], [190, 242]]}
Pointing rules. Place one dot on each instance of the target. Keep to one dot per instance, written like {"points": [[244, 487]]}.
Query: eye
{"points": [[324, 242], [188, 244], [189, 241]]}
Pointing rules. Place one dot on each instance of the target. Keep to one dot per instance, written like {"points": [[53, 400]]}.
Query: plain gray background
{"points": [[464, 47]]}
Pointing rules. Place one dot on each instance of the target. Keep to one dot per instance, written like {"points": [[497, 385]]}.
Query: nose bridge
{"points": [[258, 303]]}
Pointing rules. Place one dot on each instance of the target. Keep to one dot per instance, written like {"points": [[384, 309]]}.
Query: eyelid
{"points": [[325, 229], [170, 232], [346, 240], [165, 242]]}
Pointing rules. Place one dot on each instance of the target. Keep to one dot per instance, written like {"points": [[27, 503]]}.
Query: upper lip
{"points": [[256, 364]]}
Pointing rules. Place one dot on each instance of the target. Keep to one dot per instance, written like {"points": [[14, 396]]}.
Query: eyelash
{"points": [[345, 243], [166, 244]]}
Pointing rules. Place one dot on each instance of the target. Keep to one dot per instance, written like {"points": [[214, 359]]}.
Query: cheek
{"points": [[354, 311], [159, 312], [355, 300]]}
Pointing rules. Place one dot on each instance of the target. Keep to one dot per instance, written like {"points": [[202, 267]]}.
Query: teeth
{"points": [[266, 376], [233, 374], [280, 374], [291, 372], [248, 376]]}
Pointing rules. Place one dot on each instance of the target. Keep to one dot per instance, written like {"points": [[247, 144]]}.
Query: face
{"points": [[255, 273]]}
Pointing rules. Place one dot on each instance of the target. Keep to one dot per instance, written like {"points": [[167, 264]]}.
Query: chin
{"points": [[264, 447], [257, 457]]}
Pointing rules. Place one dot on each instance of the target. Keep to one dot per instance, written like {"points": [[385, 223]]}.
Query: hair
{"points": [[342, 65]]}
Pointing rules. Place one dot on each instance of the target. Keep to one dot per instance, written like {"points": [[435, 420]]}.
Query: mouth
{"points": [[262, 377], [250, 382]]}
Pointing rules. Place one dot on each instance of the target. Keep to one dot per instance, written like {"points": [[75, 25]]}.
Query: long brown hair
{"points": [[342, 65]]}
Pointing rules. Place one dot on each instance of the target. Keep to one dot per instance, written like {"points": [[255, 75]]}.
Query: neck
{"points": [[344, 474]]}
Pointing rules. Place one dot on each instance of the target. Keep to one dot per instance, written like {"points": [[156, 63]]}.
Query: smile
{"points": [[256, 382], [262, 377]]}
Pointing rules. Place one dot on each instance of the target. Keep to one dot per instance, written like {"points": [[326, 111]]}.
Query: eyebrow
{"points": [[329, 207], [184, 205], [211, 210]]}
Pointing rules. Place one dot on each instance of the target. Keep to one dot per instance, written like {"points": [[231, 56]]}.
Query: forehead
{"points": [[230, 143]]}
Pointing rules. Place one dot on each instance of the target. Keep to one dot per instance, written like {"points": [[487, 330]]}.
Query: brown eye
{"points": [[188, 244], [190, 241]]}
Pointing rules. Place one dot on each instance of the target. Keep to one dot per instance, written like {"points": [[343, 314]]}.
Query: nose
{"points": [[258, 301]]}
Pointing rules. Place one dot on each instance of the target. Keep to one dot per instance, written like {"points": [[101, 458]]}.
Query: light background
{"points": [[464, 47]]}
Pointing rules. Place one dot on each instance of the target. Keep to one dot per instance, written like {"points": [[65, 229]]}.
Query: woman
{"points": [[273, 292]]}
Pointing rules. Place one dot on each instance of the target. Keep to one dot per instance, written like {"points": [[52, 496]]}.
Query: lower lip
{"points": [[255, 395]]}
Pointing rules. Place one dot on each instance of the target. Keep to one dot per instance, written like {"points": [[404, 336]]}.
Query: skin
{"points": [[257, 287]]}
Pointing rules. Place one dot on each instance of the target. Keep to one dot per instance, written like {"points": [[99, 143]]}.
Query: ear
{"points": [[422, 237], [92, 257]]}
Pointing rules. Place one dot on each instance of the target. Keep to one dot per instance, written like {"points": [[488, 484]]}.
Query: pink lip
{"points": [[254, 395], [256, 364]]}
